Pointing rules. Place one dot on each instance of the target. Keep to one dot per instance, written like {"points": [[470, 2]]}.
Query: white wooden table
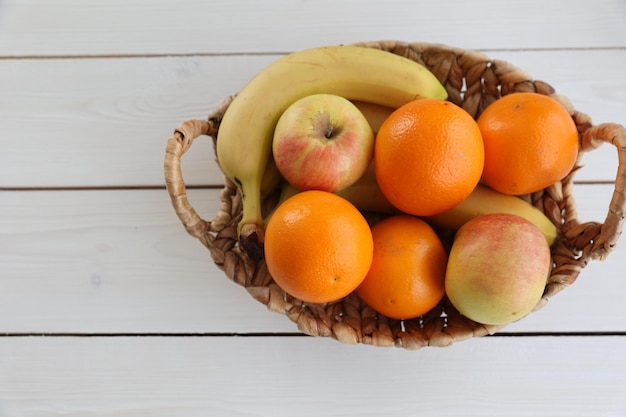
{"points": [[107, 306]]}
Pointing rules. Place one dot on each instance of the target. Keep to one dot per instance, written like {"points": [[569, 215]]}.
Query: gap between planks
{"points": [[193, 187], [269, 53], [284, 334]]}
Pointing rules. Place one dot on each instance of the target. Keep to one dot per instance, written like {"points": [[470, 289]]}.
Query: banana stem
{"points": [[251, 228]]}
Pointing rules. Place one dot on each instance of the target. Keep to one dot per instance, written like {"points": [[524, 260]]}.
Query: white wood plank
{"points": [[114, 261], [120, 261], [73, 27], [89, 93], [277, 376], [105, 122]]}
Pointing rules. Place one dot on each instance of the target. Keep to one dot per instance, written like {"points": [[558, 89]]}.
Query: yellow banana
{"points": [[367, 196], [484, 200], [364, 194], [271, 179], [375, 114], [358, 73]]}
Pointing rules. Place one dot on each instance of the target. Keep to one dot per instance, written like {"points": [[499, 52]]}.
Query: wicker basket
{"points": [[473, 81]]}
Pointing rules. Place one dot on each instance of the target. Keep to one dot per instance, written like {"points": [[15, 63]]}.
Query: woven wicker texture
{"points": [[473, 81]]}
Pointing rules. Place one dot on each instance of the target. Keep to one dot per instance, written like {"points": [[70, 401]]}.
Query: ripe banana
{"points": [[484, 200], [358, 73], [364, 194], [367, 196], [271, 179], [374, 113]]}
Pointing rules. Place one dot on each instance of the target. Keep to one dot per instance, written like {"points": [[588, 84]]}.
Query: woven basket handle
{"points": [[612, 228], [177, 145]]}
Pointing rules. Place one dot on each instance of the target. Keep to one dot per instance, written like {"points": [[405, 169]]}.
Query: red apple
{"points": [[322, 142], [497, 268]]}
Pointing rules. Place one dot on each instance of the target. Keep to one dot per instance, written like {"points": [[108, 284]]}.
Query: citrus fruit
{"points": [[406, 278], [428, 156], [318, 246], [531, 142]]}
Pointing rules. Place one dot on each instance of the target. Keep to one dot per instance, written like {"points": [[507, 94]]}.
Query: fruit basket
{"points": [[472, 81]]}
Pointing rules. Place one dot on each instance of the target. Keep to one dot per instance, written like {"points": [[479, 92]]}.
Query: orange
{"points": [[407, 275], [428, 156], [318, 246], [531, 142]]}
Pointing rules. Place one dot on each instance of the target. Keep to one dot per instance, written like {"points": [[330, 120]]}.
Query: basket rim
{"points": [[351, 321]]}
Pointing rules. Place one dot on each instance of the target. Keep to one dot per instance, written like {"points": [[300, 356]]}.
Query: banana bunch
{"points": [[377, 82], [244, 142]]}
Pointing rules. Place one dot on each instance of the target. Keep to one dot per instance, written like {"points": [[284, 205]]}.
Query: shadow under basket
{"points": [[473, 81]]}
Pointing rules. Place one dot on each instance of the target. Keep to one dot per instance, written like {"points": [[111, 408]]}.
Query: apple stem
{"points": [[329, 132]]}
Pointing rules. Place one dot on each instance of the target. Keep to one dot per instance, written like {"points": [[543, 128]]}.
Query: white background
{"points": [[107, 306]]}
